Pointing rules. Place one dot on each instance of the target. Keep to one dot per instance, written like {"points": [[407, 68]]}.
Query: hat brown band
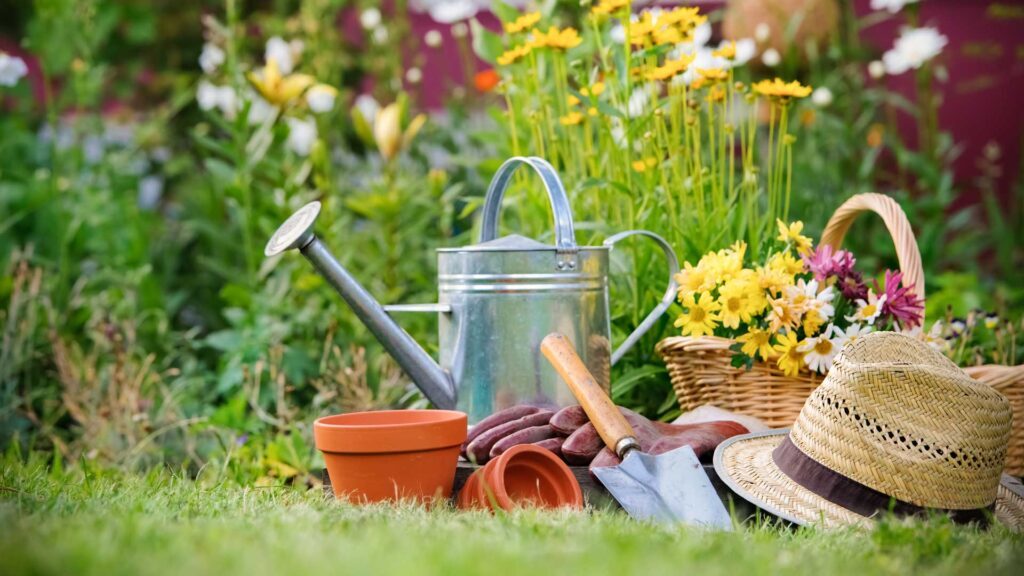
{"points": [[853, 495]]}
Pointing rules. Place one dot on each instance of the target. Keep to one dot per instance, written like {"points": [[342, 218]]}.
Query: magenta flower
{"points": [[852, 286], [901, 304], [824, 262]]}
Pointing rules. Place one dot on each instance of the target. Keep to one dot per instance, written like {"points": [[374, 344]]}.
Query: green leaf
{"points": [[486, 44], [503, 11], [224, 340]]}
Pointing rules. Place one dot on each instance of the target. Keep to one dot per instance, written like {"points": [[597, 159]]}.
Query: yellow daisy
{"points": [[734, 297], [782, 314], [513, 55], [812, 321], [644, 164], [785, 263], [559, 39], [727, 51], [701, 316], [607, 7], [773, 280], [757, 341], [713, 75], [791, 358], [683, 17], [524, 22], [780, 90], [693, 279], [792, 234], [671, 68], [571, 119]]}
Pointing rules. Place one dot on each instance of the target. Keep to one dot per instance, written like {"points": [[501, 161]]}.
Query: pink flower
{"points": [[901, 303], [823, 263]]}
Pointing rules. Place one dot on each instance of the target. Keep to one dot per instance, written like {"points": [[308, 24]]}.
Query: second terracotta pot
{"points": [[525, 475]]}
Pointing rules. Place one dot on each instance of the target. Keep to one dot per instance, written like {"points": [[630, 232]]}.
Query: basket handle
{"points": [[896, 222]]}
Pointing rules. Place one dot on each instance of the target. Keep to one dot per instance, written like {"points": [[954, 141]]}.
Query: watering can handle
{"points": [[565, 238], [666, 299]]}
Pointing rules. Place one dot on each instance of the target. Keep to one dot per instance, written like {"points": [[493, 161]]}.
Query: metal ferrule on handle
{"points": [[433, 381], [565, 237]]}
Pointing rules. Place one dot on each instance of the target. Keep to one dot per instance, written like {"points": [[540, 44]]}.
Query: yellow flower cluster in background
{"points": [[780, 89], [524, 22], [671, 68], [609, 7], [514, 54], [559, 39], [668, 27]]}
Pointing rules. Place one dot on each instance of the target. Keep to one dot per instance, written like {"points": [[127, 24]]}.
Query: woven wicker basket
{"points": [[702, 373]]}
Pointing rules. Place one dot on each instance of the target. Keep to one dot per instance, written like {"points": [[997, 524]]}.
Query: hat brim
{"points": [[745, 464]]}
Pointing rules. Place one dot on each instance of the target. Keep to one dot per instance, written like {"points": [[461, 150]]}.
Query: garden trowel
{"points": [[669, 487]]}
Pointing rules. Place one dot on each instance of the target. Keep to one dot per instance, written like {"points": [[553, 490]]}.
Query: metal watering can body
{"points": [[497, 300]]}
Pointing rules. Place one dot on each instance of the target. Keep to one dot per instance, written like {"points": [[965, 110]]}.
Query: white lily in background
{"points": [[892, 6], [821, 97], [285, 54], [301, 135], [450, 11], [209, 96], [388, 133], [771, 58], [211, 58], [260, 110], [913, 48], [321, 97], [12, 69], [369, 18]]}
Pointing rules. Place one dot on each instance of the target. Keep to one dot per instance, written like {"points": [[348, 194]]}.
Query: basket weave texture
{"points": [[701, 367]]}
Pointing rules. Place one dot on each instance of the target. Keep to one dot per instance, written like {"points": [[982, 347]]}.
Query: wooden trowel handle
{"points": [[609, 422]]}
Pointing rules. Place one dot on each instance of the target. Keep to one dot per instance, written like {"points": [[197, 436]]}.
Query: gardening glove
{"points": [[584, 446], [507, 428]]}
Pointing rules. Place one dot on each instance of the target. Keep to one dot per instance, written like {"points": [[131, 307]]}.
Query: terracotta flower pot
{"points": [[391, 454], [525, 475]]}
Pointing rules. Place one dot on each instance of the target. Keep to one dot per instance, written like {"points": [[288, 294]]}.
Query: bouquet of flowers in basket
{"points": [[797, 308]]}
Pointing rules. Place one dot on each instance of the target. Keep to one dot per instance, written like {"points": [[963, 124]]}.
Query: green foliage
{"points": [[141, 324], [92, 521]]}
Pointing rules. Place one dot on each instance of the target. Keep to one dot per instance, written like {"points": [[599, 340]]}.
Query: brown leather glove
{"points": [[584, 446], [512, 426]]}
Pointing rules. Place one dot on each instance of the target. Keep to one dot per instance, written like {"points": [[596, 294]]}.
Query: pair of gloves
{"points": [[570, 435]]}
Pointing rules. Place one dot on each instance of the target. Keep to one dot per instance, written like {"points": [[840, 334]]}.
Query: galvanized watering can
{"points": [[496, 300]]}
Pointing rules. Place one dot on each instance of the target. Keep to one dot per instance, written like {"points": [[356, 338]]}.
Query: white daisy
{"points": [[868, 310], [914, 47], [820, 351], [851, 334]]}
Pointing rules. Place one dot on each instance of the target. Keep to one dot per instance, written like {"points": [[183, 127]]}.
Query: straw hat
{"points": [[895, 425]]}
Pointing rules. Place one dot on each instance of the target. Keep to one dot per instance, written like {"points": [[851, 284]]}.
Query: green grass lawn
{"points": [[115, 523]]}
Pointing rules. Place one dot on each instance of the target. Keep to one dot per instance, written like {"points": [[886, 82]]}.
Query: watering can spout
{"points": [[297, 234]]}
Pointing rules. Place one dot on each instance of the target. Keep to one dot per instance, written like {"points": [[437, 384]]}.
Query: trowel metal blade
{"points": [[669, 487]]}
